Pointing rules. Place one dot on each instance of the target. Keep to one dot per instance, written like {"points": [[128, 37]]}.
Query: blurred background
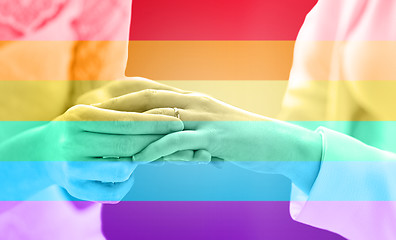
{"points": [[239, 52]]}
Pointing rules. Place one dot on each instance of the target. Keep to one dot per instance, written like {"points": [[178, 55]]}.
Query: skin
{"points": [[71, 150], [121, 87], [79, 139], [246, 139], [68, 151], [128, 85]]}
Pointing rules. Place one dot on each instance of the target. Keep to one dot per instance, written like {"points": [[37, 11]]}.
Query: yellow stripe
{"points": [[43, 100], [262, 97]]}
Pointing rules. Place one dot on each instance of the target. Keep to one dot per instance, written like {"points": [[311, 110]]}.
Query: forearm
{"points": [[354, 188], [22, 165], [304, 151]]}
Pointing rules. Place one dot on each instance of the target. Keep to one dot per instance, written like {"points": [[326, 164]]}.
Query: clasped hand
{"points": [[96, 147]]}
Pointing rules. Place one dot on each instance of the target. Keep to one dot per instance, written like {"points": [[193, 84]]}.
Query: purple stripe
{"points": [[205, 220]]}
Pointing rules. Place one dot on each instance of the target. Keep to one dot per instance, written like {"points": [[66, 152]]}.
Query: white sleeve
{"points": [[354, 194]]}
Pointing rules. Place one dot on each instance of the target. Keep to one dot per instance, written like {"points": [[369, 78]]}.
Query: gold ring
{"points": [[177, 113]]}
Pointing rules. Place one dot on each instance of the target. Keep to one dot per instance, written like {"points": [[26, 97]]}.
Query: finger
{"points": [[99, 191], [202, 157], [168, 112], [189, 157], [180, 157], [121, 87], [145, 100], [133, 84], [104, 170], [186, 155], [93, 119], [99, 145], [169, 144], [189, 118]]}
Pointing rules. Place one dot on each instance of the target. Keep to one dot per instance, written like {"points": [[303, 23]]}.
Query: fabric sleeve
{"points": [[354, 193]]}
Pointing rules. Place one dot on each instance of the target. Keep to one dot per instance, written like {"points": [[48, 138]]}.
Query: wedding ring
{"points": [[177, 113]]}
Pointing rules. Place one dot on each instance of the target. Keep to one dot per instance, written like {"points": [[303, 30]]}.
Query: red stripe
{"points": [[218, 19]]}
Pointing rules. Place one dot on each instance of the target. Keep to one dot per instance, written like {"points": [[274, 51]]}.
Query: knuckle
{"points": [[111, 104], [148, 93], [205, 101], [201, 99], [74, 108], [76, 113], [122, 173]]}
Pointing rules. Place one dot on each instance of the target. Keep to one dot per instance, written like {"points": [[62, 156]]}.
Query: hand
{"points": [[246, 139], [203, 116], [121, 87], [78, 140]]}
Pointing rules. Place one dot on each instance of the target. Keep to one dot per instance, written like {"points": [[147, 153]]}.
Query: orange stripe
{"points": [[211, 60]]}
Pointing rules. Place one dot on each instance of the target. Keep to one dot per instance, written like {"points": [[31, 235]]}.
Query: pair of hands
{"points": [[136, 118]]}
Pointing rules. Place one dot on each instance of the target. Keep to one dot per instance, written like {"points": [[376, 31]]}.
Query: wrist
{"points": [[304, 166]]}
